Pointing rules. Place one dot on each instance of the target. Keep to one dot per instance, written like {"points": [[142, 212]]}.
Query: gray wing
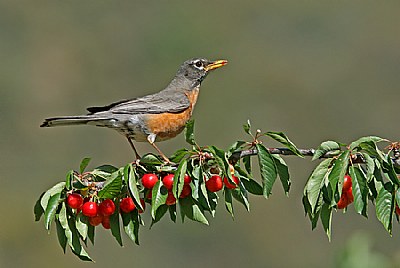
{"points": [[160, 102]]}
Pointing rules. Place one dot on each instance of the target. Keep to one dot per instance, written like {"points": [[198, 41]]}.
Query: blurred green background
{"points": [[316, 71]]}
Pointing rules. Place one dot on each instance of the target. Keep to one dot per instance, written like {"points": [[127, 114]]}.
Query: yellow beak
{"points": [[216, 64]]}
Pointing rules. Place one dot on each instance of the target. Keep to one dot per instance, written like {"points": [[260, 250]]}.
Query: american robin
{"points": [[156, 117]]}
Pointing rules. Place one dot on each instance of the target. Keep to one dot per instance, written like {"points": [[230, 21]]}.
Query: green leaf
{"points": [[161, 211], [222, 161], [115, 230], [68, 180], [251, 186], [370, 165], [378, 171], [107, 169], [52, 191], [112, 187], [240, 194], [71, 233], [131, 226], [77, 183], [75, 243], [172, 213], [267, 169], [326, 219], [283, 172], [191, 210], [326, 146], [189, 132], [197, 180], [384, 208], [203, 198], [369, 139], [130, 176], [339, 170], [62, 239], [284, 140], [37, 209], [247, 127], [360, 190], [82, 226], [317, 213], [228, 201], [236, 146], [373, 193], [247, 163], [372, 149], [178, 155], [84, 163], [316, 182], [150, 159], [390, 171], [91, 233], [159, 196], [313, 216], [179, 179], [51, 209]]}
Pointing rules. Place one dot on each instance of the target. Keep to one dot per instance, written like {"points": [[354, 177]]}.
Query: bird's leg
{"points": [[151, 139], [133, 147]]}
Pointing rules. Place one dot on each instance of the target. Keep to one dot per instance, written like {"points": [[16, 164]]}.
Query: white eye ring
{"points": [[198, 64]]}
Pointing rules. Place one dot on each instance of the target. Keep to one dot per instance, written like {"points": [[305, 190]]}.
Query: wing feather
{"points": [[155, 103]]}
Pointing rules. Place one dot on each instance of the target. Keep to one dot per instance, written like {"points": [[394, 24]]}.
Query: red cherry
{"points": [[347, 183], [168, 181], [397, 210], [343, 202], [96, 220], [214, 184], [90, 209], [186, 191], [107, 207], [149, 180], [75, 201], [187, 179], [349, 195], [127, 205], [171, 200], [143, 205], [106, 222], [231, 185]]}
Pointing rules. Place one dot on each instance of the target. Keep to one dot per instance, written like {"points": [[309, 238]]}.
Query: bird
{"points": [[151, 118]]}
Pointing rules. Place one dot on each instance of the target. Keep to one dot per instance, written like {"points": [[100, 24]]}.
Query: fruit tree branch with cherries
{"points": [[359, 173]]}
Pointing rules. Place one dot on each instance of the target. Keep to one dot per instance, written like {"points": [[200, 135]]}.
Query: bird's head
{"points": [[197, 69]]}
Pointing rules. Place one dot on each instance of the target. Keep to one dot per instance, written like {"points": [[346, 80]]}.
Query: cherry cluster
{"points": [[214, 184], [150, 179], [100, 212]]}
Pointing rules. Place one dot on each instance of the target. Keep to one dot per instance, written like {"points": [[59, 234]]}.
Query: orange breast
{"points": [[168, 125]]}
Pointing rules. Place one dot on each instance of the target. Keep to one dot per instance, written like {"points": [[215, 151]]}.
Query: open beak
{"points": [[215, 64]]}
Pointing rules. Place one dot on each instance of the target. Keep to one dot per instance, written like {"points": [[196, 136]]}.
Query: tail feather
{"points": [[68, 120]]}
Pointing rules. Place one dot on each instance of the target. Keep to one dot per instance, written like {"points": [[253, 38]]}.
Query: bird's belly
{"points": [[167, 125]]}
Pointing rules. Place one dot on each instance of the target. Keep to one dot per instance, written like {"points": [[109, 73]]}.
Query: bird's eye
{"points": [[198, 64]]}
